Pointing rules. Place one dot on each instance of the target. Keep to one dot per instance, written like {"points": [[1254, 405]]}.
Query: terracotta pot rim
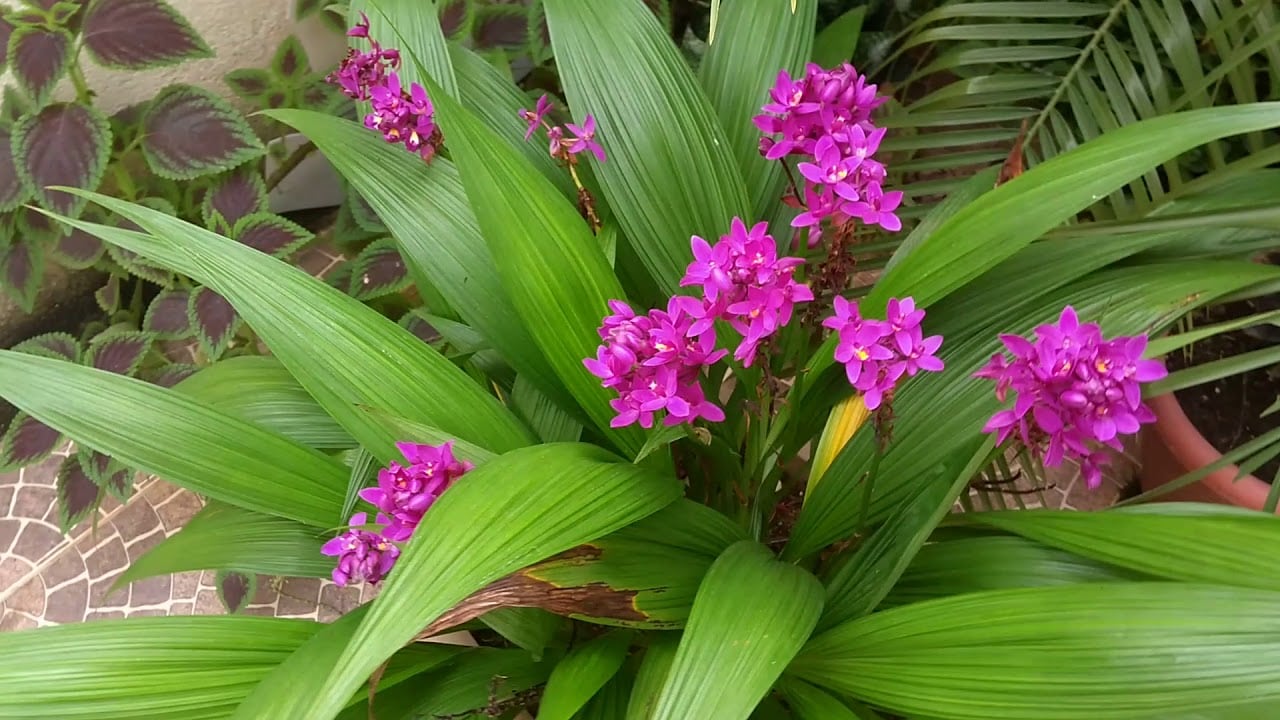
{"points": [[1189, 447]]}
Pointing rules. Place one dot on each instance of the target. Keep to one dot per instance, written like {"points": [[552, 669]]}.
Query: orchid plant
{"points": [[699, 456]]}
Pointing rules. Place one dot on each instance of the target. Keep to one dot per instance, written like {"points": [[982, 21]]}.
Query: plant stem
{"points": [[290, 164], [83, 95]]}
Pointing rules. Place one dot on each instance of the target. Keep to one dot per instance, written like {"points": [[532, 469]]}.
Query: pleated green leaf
{"points": [[994, 562], [143, 668], [426, 209], [760, 38], [225, 537], [166, 433], [652, 674], [811, 703], [858, 586], [837, 41], [1189, 546], [751, 616], [364, 359], [259, 389], [1112, 651], [1009, 217], [509, 513], [549, 262], [671, 172], [581, 674], [941, 414]]}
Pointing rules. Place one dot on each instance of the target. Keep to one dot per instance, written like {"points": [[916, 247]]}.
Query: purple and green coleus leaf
{"points": [[78, 495], [171, 374], [346, 230], [236, 589], [62, 144], [167, 317], [108, 296], [120, 352], [271, 234], [134, 263], [13, 192], [363, 213], [214, 319], [21, 267], [38, 57], [250, 84], [290, 62], [378, 271], [234, 195], [107, 473], [189, 132], [55, 345], [26, 441], [500, 26], [35, 226], [77, 250], [140, 34], [416, 324]]}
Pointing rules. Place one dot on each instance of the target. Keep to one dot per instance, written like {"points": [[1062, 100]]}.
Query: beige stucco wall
{"points": [[242, 33]]}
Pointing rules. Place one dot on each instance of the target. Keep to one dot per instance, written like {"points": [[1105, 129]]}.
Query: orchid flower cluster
{"points": [[402, 496], [877, 353], [1073, 391], [825, 118], [583, 136], [403, 116]]}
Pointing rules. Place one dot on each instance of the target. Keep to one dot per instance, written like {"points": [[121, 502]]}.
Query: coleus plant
{"points": [[638, 518]]}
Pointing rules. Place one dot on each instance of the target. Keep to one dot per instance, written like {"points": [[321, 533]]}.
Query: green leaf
{"points": [[1114, 654], [761, 37], [165, 433], [143, 668], [426, 434], [652, 674], [994, 562], [859, 585], [366, 359], [999, 223], [1190, 547], [751, 616], [224, 537], [259, 389], [550, 422], [528, 628], [426, 209], [837, 41], [669, 173], [581, 674], [810, 703], [547, 258], [504, 515], [414, 28]]}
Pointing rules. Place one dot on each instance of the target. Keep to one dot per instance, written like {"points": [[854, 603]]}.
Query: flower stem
{"points": [[290, 164]]}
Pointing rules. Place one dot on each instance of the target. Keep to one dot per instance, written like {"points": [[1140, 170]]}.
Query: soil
{"points": [[1228, 412]]}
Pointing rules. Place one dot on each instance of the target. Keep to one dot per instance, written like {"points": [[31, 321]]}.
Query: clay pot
{"points": [[1172, 447]]}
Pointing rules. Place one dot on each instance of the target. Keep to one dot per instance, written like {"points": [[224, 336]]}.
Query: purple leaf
{"points": [[38, 58], [235, 589], [63, 144], [37, 225], [172, 374], [119, 352], [346, 230], [452, 17], [339, 276], [108, 296], [419, 327], [77, 250], [107, 473], [27, 441], [21, 267], [377, 271], [138, 265], [189, 132], [290, 61], [56, 345], [139, 34], [214, 319], [271, 234], [78, 494], [500, 26], [364, 214], [248, 83], [235, 195], [167, 316], [12, 190]]}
